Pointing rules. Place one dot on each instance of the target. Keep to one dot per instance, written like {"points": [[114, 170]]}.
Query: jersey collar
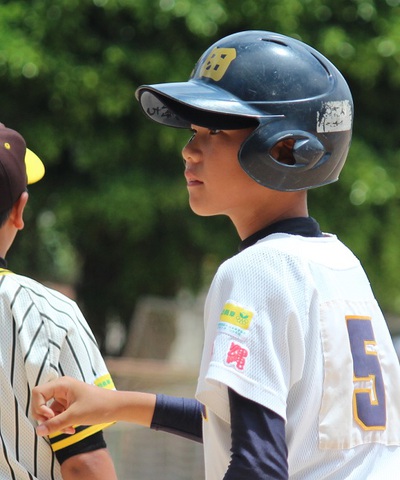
{"points": [[304, 226]]}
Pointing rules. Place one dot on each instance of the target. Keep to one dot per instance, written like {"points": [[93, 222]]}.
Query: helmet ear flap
{"points": [[259, 159]]}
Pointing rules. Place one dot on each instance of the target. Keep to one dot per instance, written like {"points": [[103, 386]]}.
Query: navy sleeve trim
{"points": [[88, 444], [259, 448], [180, 416]]}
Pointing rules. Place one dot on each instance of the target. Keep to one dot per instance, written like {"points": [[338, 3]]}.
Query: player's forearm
{"points": [[104, 406], [134, 407], [78, 403]]}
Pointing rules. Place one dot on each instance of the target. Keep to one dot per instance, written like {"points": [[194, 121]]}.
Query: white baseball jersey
{"points": [[292, 324], [43, 336]]}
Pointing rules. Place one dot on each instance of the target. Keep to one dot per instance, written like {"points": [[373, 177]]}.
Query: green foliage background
{"points": [[111, 216]]}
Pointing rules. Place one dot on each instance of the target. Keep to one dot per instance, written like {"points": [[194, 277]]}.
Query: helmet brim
{"points": [[183, 104]]}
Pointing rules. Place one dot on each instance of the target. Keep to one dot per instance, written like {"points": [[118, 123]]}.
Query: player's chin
{"points": [[199, 207]]}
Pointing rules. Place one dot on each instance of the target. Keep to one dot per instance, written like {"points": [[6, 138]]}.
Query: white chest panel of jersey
{"points": [[292, 324]]}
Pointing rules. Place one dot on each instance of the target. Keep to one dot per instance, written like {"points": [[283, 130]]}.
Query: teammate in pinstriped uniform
{"points": [[44, 336], [299, 378]]}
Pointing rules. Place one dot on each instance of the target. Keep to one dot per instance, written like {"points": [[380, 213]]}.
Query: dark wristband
{"points": [[178, 415]]}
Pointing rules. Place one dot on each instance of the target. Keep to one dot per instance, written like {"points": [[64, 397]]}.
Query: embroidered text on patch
{"points": [[237, 356], [235, 320]]}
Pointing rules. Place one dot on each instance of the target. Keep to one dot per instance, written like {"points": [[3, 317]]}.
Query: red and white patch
{"points": [[237, 356]]}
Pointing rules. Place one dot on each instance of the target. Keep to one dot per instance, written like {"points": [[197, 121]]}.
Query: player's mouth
{"points": [[191, 180], [194, 183]]}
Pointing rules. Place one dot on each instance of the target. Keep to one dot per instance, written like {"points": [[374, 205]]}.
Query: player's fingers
{"points": [[43, 413], [42, 394], [39, 407], [59, 423], [56, 389], [57, 408]]}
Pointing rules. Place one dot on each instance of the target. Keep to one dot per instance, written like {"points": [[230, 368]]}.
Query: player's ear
{"points": [[17, 212]]}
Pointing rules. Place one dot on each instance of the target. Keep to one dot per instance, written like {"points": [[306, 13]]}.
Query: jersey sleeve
{"points": [[79, 357], [254, 341], [56, 340]]}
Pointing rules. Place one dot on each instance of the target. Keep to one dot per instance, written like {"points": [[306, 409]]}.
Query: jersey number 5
{"points": [[369, 403]]}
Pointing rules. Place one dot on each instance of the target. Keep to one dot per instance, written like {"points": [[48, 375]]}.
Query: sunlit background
{"points": [[110, 225]]}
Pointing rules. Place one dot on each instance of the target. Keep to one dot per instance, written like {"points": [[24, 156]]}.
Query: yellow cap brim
{"points": [[34, 167]]}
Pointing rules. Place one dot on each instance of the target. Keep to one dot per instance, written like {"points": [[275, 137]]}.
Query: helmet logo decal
{"points": [[334, 116], [217, 63]]}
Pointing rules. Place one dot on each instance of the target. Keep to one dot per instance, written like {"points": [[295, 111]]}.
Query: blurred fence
{"points": [[161, 355], [143, 454], [140, 453]]}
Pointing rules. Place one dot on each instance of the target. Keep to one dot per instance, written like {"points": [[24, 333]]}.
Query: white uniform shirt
{"points": [[292, 324], [43, 336]]}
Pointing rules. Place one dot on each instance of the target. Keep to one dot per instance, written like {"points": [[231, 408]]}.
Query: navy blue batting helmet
{"points": [[283, 87]]}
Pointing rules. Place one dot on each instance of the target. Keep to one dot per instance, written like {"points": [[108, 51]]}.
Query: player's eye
{"points": [[193, 131], [215, 132]]}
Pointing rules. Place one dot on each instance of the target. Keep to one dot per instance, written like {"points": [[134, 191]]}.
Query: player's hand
{"points": [[78, 403], [73, 403]]}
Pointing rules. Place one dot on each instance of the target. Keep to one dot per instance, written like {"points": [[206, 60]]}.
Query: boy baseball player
{"points": [[299, 378], [44, 336]]}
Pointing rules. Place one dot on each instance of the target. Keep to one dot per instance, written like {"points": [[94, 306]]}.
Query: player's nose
{"points": [[190, 152]]}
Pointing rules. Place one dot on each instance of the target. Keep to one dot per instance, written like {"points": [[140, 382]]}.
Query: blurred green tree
{"points": [[111, 215]]}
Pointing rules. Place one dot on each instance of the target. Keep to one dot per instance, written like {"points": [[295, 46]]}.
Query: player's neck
{"points": [[281, 206]]}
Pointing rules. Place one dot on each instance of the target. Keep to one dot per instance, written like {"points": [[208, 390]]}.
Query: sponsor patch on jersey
{"points": [[237, 356], [105, 381], [235, 320], [334, 116]]}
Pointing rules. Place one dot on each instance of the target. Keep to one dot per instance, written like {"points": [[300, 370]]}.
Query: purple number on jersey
{"points": [[369, 404]]}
